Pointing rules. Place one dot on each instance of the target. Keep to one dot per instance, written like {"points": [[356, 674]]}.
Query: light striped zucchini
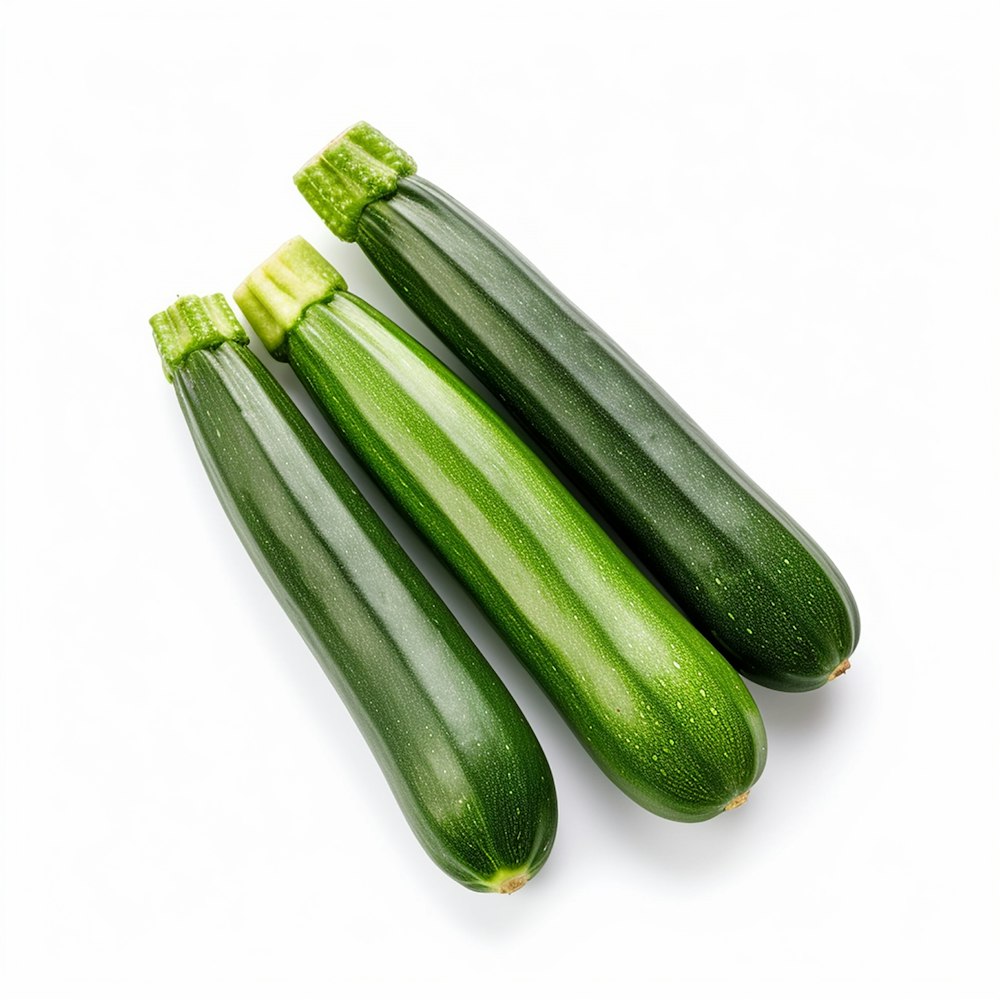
{"points": [[463, 763], [658, 708], [737, 564]]}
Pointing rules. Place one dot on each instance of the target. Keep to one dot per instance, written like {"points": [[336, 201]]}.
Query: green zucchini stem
{"points": [[191, 324], [275, 295], [358, 167], [840, 668]]}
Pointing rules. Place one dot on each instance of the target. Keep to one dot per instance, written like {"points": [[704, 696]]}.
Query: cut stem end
{"points": [[275, 295], [736, 801], [193, 323], [512, 884], [840, 669], [360, 166]]}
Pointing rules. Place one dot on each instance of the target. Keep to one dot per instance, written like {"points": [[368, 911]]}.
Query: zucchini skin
{"points": [[739, 566], [465, 767], [653, 702]]}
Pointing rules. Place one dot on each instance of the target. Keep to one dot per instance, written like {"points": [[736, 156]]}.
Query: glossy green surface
{"points": [[658, 708], [736, 563], [462, 761]]}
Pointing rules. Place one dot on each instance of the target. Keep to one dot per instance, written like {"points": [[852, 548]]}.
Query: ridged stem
{"points": [[276, 294], [191, 324], [358, 167]]}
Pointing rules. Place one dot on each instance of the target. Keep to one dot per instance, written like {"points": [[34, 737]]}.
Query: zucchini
{"points": [[459, 756], [737, 564], [657, 707]]}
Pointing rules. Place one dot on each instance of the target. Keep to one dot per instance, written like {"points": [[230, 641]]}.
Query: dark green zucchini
{"points": [[658, 708], [738, 565], [465, 767]]}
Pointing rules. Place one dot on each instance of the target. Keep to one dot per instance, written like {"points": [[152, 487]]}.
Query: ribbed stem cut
{"points": [[360, 166], [193, 323], [278, 292]]}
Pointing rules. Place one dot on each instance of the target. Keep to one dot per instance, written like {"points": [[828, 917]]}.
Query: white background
{"points": [[788, 212]]}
